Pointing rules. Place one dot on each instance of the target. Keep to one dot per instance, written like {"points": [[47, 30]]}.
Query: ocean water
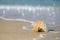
{"points": [[31, 2]]}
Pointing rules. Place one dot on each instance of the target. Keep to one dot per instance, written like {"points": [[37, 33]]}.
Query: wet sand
{"points": [[12, 30]]}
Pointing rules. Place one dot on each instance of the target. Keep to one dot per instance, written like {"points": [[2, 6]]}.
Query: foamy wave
{"points": [[25, 7], [17, 20]]}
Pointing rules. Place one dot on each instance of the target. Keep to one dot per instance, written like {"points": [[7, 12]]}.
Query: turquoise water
{"points": [[31, 2]]}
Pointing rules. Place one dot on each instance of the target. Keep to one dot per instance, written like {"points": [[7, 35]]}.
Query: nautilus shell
{"points": [[39, 26]]}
